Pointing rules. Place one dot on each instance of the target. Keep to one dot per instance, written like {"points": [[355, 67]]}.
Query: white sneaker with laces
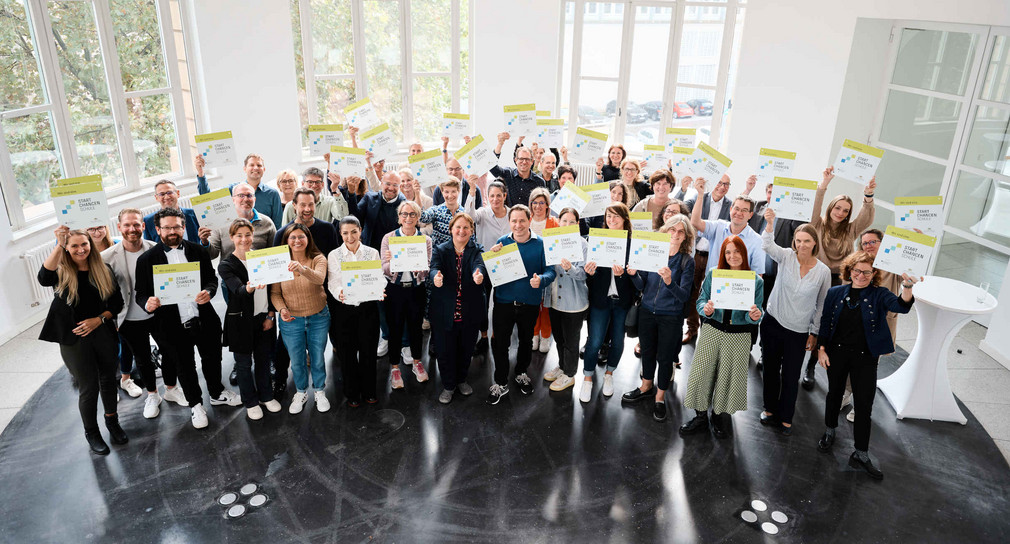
{"points": [[608, 385], [199, 416], [383, 347], [536, 342], [851, 416], [322, 403], [420, 372], [152, 406], [272, 406], [562, 383], [587, 391], [175, 395], [298, 402], [408, 359], [130, 387], [396, 377], [254, 413], [545, 344], [227, 397], [553, 374]]}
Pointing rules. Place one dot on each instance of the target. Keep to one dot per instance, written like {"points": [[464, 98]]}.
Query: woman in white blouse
{"points": [[792, 318]]}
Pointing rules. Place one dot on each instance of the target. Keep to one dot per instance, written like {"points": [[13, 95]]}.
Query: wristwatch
{"points": [[270, 317]]}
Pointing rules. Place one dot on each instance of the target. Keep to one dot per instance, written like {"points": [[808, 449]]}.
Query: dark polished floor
{"points": [[544, 468]]}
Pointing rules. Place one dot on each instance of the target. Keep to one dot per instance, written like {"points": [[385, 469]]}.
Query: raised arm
{"points": [[866, 212], [696, 220]]}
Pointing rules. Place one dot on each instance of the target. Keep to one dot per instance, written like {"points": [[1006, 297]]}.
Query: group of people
{"points": [[815, 291]]}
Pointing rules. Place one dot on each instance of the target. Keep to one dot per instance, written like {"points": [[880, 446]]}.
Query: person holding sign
{"points": [[672, 208], [719, 371], [264, 230], [520, 180], [838, 231], [540, 206], [405, 294], [456, 280], [248, 324], [631, 178], [793, 313], [469, 189], [611, 294], [517, 304], [492, 223], [609, 169], [81, 320], [357, 325], [852, 337], [329, 208], [661, 317], [268, 200], [662, 183], [167, 196], [567, 301], [440, 215], [375, 210], [304, 316], [714, 206], [187, 325]]}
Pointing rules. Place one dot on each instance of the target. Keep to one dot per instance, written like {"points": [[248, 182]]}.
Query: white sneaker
{"points": [[227, 397], [536, 342], [322, 403], [846, 399], [553, 374], [272, 406], [175, 395], [408, 359], [298, 402], [562, 383], [851, 416], [131, 388], [383, 347], [420, 372], [587, 391], [396, 377], [254, 413], [545, 344], [152, 406], [199, 416], [608, 385]]}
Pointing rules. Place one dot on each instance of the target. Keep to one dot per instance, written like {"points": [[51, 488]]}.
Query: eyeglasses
{"points": [[722, 184], [538, 204], [172, 229], [244, 195], [870, 243], [629, 169], [164, 194], [408, 214], [865, 273], [313, 182], [524, 159], [285, 181], [94, 229]]}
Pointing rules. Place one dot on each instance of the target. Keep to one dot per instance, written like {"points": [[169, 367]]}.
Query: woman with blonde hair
{"points": [[82, 320], [540, 207], [101, 237], [287, 182]]}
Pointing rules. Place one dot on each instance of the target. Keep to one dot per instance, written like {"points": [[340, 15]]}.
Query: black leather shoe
{"points": [[636, 395], [695, 426], [767, 419], [808, 378], [96, 442], [482, 346], [866, 465], [786, 431], [719, 424], [825, 443], [233, 378], [659, 411], [116, 433]]}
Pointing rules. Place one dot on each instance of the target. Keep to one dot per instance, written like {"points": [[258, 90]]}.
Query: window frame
{"points": [[407, 73], [64, 140]]}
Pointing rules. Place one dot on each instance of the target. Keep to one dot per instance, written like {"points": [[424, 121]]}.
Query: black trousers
{"points": [[404, 310], [861, 369], [205, 337], [455, 350], [136, 337], [693, 319], [254, 381], [505, 316], [485, 322], [357, 330], [661, 343], [782, 351], [92, 362], [567, 329]]}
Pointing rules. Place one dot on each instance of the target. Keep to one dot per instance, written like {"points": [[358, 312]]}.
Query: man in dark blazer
{"points": [[186, 325], [167, 195], [377, 211]]}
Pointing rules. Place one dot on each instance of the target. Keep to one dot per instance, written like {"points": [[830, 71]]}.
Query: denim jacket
{"points": [[660, 298]]}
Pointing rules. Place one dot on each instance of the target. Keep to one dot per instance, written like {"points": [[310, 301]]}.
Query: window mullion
{"points": [[39, 15], [360, 69], [117, 103], [406, 73], [624, 74], [673, 69], [722, 76], [182, 135], [454, 52], [9, 185], [308, 61], [573, 99]]}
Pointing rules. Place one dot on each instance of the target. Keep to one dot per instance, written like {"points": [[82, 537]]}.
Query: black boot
{"points": [[720, 425], [857, 460], [696, 425], [96, 442], [116, 433], [808, 376]]}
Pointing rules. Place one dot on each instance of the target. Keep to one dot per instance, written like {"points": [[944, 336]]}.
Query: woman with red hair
{"points": [[718, 377]]}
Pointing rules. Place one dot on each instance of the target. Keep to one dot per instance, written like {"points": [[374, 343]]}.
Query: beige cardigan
{"points": [[834, 250]]}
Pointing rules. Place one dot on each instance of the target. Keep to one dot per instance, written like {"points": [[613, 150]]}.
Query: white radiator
{"points": [[33, 259], [586, 173]]}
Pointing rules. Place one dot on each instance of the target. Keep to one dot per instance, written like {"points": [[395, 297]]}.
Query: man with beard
{"points": [[167, 195]]}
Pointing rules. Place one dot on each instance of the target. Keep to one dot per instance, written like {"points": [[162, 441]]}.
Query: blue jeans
{"points": [[609, 318], [307, 333]]}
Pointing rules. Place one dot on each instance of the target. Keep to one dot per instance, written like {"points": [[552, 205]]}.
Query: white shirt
{"points": [[489, 227], [341, 255], [260, 298], [714, 210], [133, 310], [187, 310], [795, 302]]}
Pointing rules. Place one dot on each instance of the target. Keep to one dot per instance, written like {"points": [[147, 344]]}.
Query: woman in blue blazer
{"points": [[853, 335]]}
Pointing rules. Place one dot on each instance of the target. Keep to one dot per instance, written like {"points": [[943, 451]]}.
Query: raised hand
{"points": [[828, 175], [199, 162], [699, 185], [502, 137], [590, 267], [62, 232], [445, 142], [749, 186], [871, 187]]}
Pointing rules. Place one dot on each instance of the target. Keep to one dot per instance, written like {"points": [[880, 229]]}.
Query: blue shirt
{"points": [[192, 227], [268, 200], [717, 231], [535, 262]]}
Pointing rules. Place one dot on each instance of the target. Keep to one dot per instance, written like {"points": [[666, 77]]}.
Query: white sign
{"points": [[80, 203], [456, 125], [322, 137], [476, 157], [589, 145], [217, 149], [380, 141], [214, 210], [347, 161], [599, 199], [550, 133], [362, 114], [655, 157], [732, 289], [607, 247], [520, 120], [793, 198], [563, 243], [408, 254], [505, 265], [650, 251], [680, 137], [641, 221], [176, 283], [904, 252], [775, 164], [922, 212], [269, 265], [857, 162], [570, 196], [363, 281], [428, 168], [708, 163]]}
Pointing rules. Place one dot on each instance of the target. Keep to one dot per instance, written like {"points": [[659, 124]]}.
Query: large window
{"points": [[633, 69], [411, 58], [945, 124], [90, 87]]}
